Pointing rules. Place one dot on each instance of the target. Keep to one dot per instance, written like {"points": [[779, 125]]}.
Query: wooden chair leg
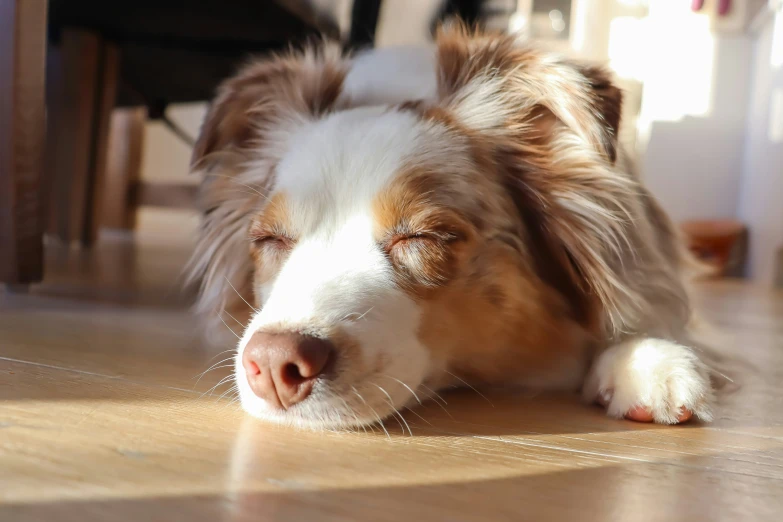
{"points": [[73, 78], [106, 98], [81, 98], [123, 168], [22, 135]]}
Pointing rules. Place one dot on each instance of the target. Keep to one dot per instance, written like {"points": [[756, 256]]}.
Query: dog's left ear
{"points": [[496, 85], [552, 126], [607, 104]]}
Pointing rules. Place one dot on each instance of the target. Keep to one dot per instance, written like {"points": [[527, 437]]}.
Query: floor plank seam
{"points": [[95, 374]]}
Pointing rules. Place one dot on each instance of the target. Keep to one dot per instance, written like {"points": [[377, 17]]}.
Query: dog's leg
{"points": [[650, 380]]}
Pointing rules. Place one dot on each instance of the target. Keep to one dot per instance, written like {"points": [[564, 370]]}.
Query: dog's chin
{"points": [[317, 415], [326, 409]]}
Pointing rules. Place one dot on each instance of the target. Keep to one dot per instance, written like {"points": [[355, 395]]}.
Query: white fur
{"points": [[659, 375], [337, 275], [483, 104]]}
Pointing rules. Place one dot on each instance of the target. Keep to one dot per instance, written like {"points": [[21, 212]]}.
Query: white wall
{"points": [[694, 106], [167, 158], [761, 197], [405, 22]]}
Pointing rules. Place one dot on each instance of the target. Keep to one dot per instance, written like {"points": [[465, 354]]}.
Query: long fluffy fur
{"points": [[594, 214], [607, 266]]}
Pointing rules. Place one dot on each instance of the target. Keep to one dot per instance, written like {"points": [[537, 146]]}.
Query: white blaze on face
{"points": [[328, 275], [337, 274]]}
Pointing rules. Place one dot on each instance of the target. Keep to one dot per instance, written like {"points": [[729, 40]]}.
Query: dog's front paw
{"points": [[650, 380]]}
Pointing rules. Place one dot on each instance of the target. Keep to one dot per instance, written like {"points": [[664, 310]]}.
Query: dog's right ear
{"points": [[267, 93]]}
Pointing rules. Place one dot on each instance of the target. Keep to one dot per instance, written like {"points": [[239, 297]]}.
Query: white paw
{"points": [[650, 380]]}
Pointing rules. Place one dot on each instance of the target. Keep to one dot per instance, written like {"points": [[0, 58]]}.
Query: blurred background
{"points": [[127, 85]]}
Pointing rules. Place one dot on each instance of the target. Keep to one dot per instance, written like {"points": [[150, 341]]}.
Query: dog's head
{"points": [[390, 250]]}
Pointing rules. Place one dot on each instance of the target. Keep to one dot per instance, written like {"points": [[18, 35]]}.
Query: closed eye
{"points": [[421, 237], [425, 258], [274, 241], [408, 237]]}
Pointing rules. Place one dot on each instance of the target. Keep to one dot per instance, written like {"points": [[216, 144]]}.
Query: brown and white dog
{"points": [[418, 218]]}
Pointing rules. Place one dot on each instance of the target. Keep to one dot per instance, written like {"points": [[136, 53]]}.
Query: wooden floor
{"points": [[102, 418]]}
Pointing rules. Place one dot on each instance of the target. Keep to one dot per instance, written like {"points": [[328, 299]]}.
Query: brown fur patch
{"points": [[274, 219], [503, 326], [422, 238], [307, 83]]}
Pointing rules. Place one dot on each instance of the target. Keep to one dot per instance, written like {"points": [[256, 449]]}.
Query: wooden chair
{"points": [[66, 66], [22, 131], [62, 76]]}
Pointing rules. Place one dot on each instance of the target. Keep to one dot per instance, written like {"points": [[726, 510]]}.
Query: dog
{"points": [[411, 219]]}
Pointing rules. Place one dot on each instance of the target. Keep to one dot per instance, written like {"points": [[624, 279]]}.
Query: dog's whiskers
{"points": [[240, 191], [221, 381], [213, 367], [219, 354], [229, 328], [395, 412], [471, 387], [380, 421], [240, 323], [434, 395], [416, 414], [406, 386], [232, 389], [365, 313], [348, 316], [240, 296], [352, 412]]}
